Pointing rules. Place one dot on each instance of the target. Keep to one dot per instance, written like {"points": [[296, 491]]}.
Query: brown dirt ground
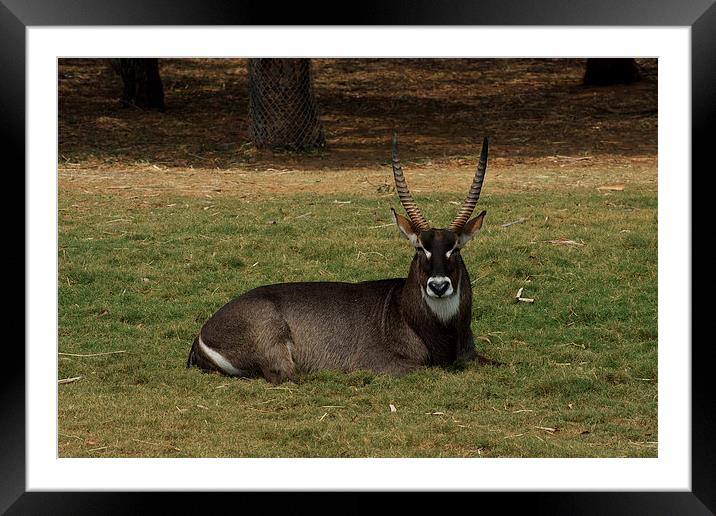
{"points": [[546, 129]]}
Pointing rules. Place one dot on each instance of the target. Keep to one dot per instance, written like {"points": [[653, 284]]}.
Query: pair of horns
{"points": [[406, 199]]}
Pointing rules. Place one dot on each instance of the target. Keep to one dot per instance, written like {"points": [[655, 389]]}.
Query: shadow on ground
{"points": [[441, 108]]}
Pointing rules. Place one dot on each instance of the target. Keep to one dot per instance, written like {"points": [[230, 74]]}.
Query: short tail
{"points": [[192, 360]]}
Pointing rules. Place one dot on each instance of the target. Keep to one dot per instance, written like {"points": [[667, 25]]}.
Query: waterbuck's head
{"points": [[437, 265]]}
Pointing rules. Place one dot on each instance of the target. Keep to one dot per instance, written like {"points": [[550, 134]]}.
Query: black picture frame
{"points": [[17, 15]]}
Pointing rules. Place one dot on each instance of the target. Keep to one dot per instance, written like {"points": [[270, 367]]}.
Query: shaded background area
{"points": [[533, 109]]}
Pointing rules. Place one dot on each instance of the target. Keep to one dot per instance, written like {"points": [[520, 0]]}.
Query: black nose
{"points": [[439, 287]]}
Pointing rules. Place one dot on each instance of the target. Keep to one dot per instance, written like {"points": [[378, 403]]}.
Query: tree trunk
{"points": [[142, 84], [282, 105], [602, 72]]}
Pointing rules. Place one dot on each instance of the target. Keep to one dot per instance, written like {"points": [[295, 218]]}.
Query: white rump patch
{"points": [[444, 308], [218, 360]]}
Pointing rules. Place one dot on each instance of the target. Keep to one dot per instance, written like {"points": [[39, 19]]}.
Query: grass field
{"points": [[147, 254]]}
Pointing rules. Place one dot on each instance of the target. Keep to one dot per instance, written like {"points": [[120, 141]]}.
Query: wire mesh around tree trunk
{"points": [[282, 105]]}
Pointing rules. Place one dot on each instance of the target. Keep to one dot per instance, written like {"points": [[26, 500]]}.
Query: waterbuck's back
{"points": [[319, 311]]}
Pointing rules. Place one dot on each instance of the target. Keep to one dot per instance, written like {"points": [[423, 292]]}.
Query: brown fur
{"points": [[383, 326], [389, 326]]}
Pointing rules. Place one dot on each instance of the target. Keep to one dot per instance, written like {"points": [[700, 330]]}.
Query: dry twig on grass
{"points": [[561, 241], [91, 354], [572, 158], [519, 297], [68, 380], [518, 221], [619, 187]]}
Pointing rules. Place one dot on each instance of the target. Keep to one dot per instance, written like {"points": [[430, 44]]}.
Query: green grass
{"points": [[143, 277]]}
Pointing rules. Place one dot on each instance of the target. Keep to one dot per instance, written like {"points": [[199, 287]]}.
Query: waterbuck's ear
{"points": [[405, 227], [471, 228]]}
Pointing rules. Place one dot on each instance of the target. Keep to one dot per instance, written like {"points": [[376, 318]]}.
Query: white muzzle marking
{"points": [[445, 308], [439, 280]]}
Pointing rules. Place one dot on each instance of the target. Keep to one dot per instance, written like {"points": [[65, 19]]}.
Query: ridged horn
{"points": [[469, 205], [406, 199]]}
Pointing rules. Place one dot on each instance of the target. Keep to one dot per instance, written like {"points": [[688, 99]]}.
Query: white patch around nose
{"points": [[445, 308], [439, 279]]}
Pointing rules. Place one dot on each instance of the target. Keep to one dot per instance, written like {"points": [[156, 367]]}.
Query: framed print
{"points": [[582, 392]]}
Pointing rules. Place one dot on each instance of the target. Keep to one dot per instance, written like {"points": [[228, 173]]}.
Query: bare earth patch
{"points": [[424, 179], [440, 108]]}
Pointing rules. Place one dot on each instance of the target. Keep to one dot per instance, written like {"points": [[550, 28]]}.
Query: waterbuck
{"points": [[387, 326]]}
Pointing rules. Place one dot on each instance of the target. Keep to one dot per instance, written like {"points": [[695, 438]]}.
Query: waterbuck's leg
{"points": [[274, 353], [466, 347], [226, 361], [244, 338], [466, 351], [197, 359], [391, 364]]}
